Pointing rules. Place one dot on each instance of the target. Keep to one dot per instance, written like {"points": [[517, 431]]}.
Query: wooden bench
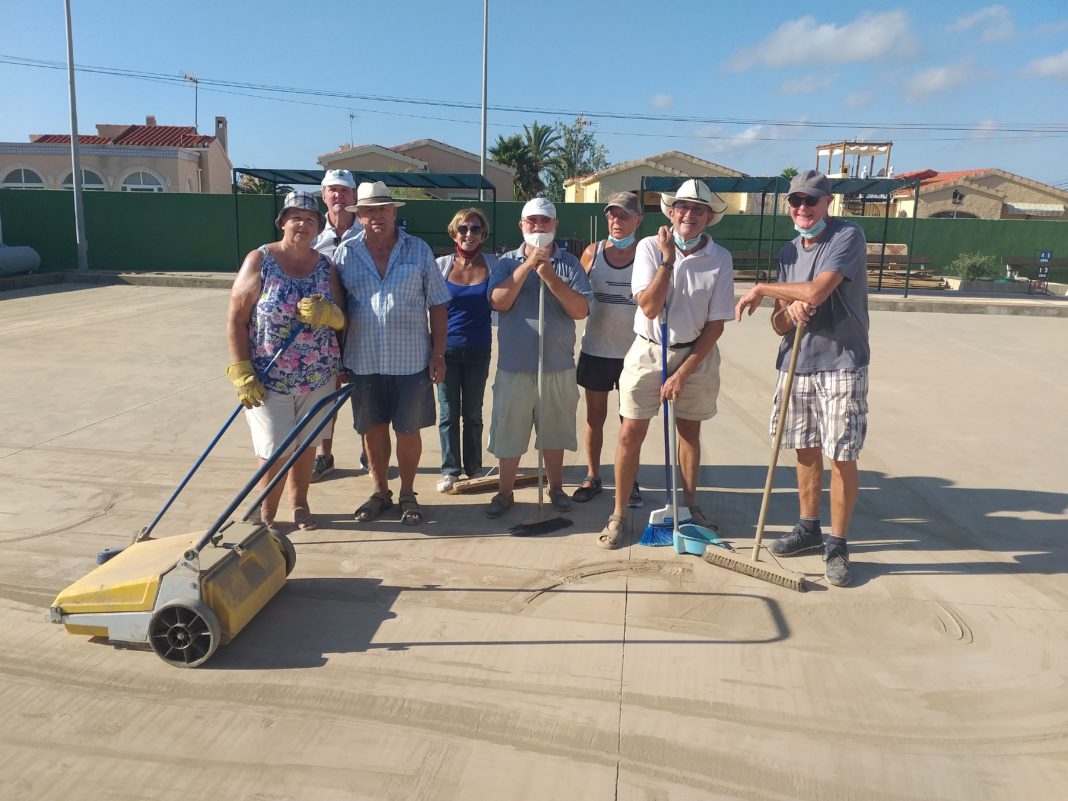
{"points": [[752, 265], [1035, 286]]}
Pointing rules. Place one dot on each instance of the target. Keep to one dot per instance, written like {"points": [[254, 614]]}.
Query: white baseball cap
{"points": [[338, 178], [539, 206]]}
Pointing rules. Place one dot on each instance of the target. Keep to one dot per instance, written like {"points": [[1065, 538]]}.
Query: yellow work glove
{"points": [[317, 311], [249, 389]]}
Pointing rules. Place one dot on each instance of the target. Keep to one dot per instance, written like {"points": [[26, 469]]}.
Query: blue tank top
{"points": [[469, 316]]}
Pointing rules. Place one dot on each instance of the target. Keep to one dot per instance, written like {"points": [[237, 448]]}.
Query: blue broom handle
{"points": [[668, 478], [266, 371]]}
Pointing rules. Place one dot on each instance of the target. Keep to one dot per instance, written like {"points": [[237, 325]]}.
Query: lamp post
{"points": [[482, 150], [76, 164]]}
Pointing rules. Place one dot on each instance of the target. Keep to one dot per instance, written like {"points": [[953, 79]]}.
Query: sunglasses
{"points": [[469, 229], [797, 201]]}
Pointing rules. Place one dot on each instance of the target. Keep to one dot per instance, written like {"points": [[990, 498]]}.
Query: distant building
{"points": [[988, 194], [627, 177], [422, 155], [123, 158]]}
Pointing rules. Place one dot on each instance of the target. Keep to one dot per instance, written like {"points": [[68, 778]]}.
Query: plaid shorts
{"points": [[827, 410]]}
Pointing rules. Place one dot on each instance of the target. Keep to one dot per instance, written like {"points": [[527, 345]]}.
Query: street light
{"points": [[76, 164]]}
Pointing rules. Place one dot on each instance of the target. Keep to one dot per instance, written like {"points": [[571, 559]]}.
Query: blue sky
{"points": [[753, 86]]}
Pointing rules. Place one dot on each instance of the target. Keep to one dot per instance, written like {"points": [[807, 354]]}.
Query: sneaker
{"points": [[560, 500], [836, 557], [446, 483], [797, 541], [499, 505], [324, 465], [635, 500]]}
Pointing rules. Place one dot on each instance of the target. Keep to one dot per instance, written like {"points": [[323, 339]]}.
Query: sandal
{"points": [[303, 518], [374, 506], [698, 517], [590, 486], [411, 512], [609, 537]]}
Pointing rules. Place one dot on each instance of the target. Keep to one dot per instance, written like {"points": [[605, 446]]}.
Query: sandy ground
{"points": [[455, 662]]}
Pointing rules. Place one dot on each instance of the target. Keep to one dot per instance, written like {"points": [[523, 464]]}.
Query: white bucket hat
{"points": [[695, 191], [373, 194]]}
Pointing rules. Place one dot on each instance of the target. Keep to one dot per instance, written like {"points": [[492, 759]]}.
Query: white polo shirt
{"points": [[702, 290]]}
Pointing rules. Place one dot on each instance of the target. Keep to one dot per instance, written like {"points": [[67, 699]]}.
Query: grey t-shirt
{"points": [[836, 338], [517, 328]]}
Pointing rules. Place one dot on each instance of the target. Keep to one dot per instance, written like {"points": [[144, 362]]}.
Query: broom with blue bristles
{"points": [[664, 521]]}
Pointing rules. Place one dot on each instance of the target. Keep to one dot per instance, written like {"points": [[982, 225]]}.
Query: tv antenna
{"points": [[192, 79], [352, 116]]}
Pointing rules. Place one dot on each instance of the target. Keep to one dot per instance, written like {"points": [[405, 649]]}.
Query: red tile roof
{"points": [[140, 135]]}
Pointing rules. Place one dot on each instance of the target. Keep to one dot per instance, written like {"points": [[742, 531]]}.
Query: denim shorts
{"points": [[406, 401]]}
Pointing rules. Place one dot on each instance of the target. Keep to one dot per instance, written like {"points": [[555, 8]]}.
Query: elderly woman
{"points": [[467, 347], [279, 286]]}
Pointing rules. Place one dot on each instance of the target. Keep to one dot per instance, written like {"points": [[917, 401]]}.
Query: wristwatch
{"points": [[668, 265]]}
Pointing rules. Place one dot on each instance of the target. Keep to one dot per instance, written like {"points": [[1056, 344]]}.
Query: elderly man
{"points": [[684, 274], [392, 282], [609, 331], [514, 287], [341, 227], [823, 284]]}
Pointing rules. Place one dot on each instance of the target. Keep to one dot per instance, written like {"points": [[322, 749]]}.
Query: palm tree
{"points": [[513, 151], [542, 143]]}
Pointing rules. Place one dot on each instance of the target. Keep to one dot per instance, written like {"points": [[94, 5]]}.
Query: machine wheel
{"points": [[289, 553], [184, 633]]}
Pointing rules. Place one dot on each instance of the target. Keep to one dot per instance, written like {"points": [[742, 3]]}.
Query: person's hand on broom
{"points": [[249, 389], [672, 388]]}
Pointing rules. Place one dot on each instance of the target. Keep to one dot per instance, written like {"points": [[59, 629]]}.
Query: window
{"points": [[22, 178], [91, 181], [140, 181]]}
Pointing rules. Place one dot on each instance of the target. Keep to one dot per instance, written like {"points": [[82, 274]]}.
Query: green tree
{"points": [[542, 143], [578, 153], [250, 185], [513, 151], [789, 173]]}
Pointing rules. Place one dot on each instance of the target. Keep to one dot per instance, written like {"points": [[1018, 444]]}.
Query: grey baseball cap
{"points": [[811, 183], [628, 201]]}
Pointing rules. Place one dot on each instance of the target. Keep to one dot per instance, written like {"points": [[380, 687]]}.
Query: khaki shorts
{"points": [[272, 421], [515, 412], [639, 386]]}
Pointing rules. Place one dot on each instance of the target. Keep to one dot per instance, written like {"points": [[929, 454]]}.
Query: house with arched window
{"points": [[123, 158]]}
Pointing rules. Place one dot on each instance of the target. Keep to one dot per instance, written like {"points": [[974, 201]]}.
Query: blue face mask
{"points": [[682, 243], [625, 242], [814, 231]]}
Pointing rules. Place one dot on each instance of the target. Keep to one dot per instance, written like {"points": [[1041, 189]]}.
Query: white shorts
{"points": [[275, 418], [827, 410], [515, 411]]}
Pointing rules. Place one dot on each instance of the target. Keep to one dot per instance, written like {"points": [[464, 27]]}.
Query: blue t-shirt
{"points": [[517, 328]]}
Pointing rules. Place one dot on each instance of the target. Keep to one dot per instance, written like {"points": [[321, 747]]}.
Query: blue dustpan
{"points": [[694, 539]]}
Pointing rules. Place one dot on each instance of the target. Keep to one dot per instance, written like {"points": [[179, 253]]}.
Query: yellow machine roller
{"points": [[185, 596]]}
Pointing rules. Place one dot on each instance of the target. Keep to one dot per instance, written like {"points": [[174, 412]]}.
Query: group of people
{"points": [[379, 311]]}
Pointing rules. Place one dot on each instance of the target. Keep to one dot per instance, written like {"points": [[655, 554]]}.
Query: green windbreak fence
{"points": [[177, 232]]}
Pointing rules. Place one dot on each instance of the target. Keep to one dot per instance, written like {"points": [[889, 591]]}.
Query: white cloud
{"points": [[661, 101], [858, 99], [936, 80], [868, 37], [715, 140], [1053, 27], [984, 130], [807, 85], [995, 22], [1055, 66]]}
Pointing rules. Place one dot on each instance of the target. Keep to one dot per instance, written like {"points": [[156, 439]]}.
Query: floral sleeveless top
{"points": [[313, 358]]}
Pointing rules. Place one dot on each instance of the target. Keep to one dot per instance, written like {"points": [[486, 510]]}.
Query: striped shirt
{"points": [[610, 328], [389, 333]]}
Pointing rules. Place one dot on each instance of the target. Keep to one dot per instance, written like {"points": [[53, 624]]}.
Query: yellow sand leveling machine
{"points": [[184, 596]]}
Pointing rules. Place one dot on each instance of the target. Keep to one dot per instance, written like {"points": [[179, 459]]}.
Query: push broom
{"points": [[753, 566], [542, 525]]}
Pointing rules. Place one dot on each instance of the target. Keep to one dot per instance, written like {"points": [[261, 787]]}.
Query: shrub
{"points": [[974, 266]]}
